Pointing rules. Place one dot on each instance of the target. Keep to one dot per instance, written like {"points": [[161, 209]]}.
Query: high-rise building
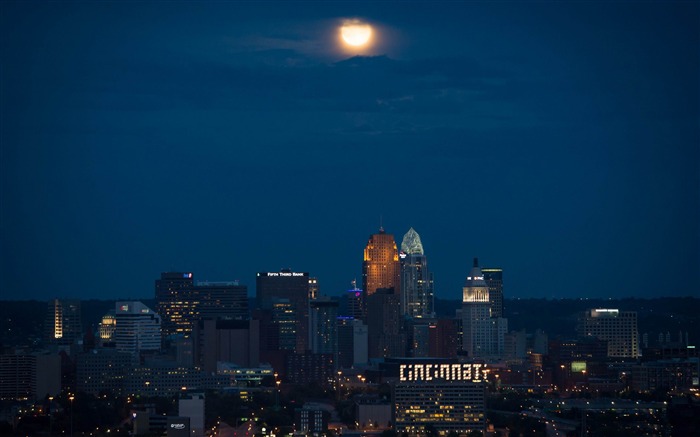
{"points": [[352, 304], [63, 321], [228, 341], [352, 342], [476, 315], [416, 281], [380, 268], [494, 280], [180, 302], [222, 299], [323, 316], [385, 336], [137, 328], [293, 286], [618, 328], [176, 302], [482, 335]]}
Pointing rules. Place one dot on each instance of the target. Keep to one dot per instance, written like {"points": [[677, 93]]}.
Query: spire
{"points": [[476, 262], [411, 243]]}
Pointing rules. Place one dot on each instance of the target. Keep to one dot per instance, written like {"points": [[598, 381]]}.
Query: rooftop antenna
{"points": [[381, 225]]}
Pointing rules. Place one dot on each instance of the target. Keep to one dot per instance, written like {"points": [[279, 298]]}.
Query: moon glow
{"points": [[355, 33]]}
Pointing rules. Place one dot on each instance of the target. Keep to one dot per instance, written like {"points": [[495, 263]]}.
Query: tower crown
{"points": [[411, 243]]}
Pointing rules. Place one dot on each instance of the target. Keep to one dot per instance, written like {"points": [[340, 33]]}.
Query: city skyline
{"points": [[558, 142]]}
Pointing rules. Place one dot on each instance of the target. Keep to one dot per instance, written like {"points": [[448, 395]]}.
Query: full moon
{"points": [[355, 33]]}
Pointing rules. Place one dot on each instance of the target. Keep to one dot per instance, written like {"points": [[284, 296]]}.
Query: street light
{"points": [[71, 397], [50, 415]]}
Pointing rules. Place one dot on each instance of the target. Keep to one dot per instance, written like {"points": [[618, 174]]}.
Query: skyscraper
{"points": [[293, 286], [180, 302], [380, 268], [385, 337], [137, 328], [63, 322], [323, 317], [222, 299], [476, 315], [482, 334], [494, 280], [416, 281], [176, 303]]}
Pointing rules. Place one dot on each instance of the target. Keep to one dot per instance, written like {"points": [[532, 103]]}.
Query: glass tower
{"points": [[416, 280]]}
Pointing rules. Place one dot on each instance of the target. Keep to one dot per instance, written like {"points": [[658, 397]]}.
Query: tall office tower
{"points": [[386, 338], [416, 281], [176, 302], [314, 288], [323, 316], [619, 328], [222, 299], [380, 268], [352, 303], [494, 280], [476, 315], [293, 286], [137, 329], [352, 342], [63, 322]]}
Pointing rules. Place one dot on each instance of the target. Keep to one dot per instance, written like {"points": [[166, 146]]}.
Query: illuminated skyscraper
{"points": [[63, 323], [416, 281], [476, 314], [494, 280], [176, 302], [380, 268], [180, 302]]}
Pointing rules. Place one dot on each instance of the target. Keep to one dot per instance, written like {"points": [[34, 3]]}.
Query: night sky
{"points": [[557, 140]]}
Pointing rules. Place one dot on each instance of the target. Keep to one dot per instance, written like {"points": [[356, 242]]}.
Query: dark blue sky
{"points": [[556, 140]]}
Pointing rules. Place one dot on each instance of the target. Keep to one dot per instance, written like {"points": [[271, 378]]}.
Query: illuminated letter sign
{"points": [[444, 372]]}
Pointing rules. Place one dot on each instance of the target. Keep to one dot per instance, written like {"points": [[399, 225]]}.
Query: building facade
{"points": [[476, 315], [137, 328], [417, 298], [324, 327], [618, 328], [380, 268], [494, 280], [63, 321], [290, 286], [440, 396]]}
